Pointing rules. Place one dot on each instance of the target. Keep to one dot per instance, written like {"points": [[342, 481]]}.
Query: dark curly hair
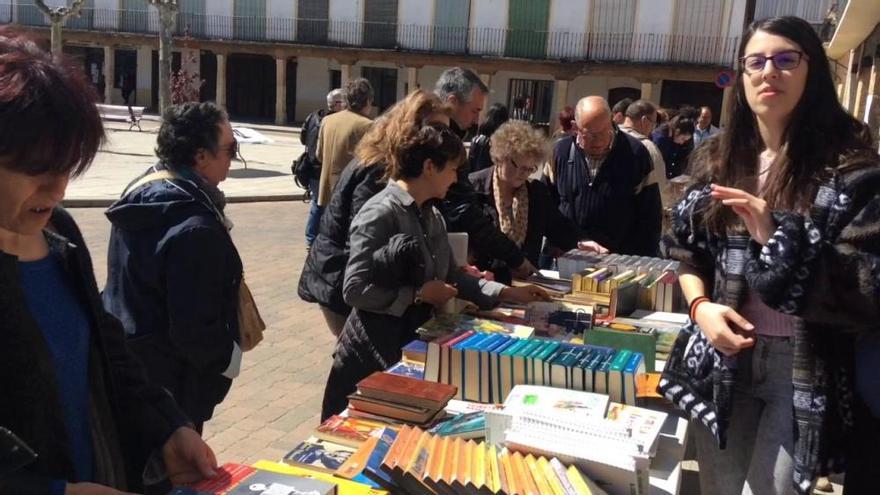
{"points": [[436, 142], [48, 117], [186, 129]]}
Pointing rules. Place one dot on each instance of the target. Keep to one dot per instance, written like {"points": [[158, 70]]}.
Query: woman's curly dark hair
{"points": [[436, 142], [186, 129]]}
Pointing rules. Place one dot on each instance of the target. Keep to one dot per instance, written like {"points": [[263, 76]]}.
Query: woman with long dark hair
{"points": [[479, 156], [779, 240]]}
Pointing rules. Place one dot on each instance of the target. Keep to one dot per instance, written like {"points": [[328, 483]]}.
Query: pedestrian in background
{"points": [[340, 134], [479, 156], [308, 136]]}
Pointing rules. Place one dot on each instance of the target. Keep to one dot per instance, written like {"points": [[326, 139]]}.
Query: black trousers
{"points": [[862, 460]]}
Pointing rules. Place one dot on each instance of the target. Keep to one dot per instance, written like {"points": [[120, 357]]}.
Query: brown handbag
{"points": [[250, 323]]}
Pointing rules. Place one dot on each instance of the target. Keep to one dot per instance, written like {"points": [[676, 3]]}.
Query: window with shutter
{"points": [[527, 28], [451, 18], [311, 22], [380, 23]]}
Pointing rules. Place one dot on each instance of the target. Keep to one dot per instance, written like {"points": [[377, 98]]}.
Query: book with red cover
{"points": [[348, 431], [406, 390], [237, 479]]}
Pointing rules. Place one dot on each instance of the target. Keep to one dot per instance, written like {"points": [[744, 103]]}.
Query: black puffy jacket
{"points": [[324, 270]]}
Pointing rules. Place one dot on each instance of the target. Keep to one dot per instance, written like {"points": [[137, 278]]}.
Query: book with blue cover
{"points": [[408, 368]]}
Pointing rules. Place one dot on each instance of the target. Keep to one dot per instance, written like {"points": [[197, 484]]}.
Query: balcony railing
{"points": [[535, 45]]}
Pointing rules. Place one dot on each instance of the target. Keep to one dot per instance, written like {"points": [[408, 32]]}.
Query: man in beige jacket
{"points": [[340, 134]]}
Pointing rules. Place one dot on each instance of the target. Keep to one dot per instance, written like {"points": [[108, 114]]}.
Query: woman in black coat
{"points": [[69, 387], [523, 209]]}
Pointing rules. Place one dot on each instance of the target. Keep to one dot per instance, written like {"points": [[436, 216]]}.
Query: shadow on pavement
{"points": [[253, 173]]}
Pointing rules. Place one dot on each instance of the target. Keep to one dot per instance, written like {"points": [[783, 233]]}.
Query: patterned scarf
{"points": [[514, 220]]}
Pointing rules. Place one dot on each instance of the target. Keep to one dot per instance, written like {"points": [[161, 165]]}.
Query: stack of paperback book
{"points": [[484, 367], [416, 461], [386, 396]]}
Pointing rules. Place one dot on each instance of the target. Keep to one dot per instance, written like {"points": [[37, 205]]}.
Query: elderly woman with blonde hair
{"points": [[521, 208]]}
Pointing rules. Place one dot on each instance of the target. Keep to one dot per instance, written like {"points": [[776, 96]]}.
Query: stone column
{"points": [[345, 70], [648, 92], [560, 99], [109, 69], [280, 91], [221, 80], [412, 79], [847, 85]]}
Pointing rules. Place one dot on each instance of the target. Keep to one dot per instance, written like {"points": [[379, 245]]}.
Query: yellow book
{"points": [[541, 483], [620, 278], [435, 462], [493, 475], [394, 450], [518, 467], [478, 471], [343, 486], [556, 487], [449, 468], [583, 485], [415, 471], [591, 284], [508, 482], [463, 473], [529, 487], [576, 281]]}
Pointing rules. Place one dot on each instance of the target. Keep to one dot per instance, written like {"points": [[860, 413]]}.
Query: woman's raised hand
{"points": [[752, 209]]}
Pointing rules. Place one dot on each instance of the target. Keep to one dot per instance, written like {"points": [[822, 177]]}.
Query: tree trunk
{"points": [[57, 43], [167, 20]]}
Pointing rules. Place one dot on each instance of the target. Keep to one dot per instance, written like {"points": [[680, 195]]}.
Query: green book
{"points": [[634, 340], [539, 362], [615, 375], [521, 361]]}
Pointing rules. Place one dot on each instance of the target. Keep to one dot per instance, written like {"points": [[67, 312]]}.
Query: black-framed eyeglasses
{"points": [[523, 168], [787, 60]]}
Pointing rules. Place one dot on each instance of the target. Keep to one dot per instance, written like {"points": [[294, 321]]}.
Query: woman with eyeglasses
{"points": [[173, 271], [401, 266], [521, 208], [779, 240]]}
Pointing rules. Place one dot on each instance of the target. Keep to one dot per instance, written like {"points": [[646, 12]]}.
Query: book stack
{"points": [[622, 283], [484, 367], [389, 397], [416, 461], [549, 422]]}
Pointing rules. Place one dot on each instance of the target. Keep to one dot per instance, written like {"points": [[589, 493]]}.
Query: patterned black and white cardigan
{"points": [[823, 267]]}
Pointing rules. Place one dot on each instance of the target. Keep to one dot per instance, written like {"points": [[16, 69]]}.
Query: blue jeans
{"points": [[760, 440], [314, 221]]}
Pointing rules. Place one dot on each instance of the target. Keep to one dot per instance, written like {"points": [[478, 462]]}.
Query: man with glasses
{"points": [[602, 179], [173, 273], [639, 121]]}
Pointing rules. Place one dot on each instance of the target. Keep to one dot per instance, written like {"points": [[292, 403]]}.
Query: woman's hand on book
{"points": [[718, 322], [753, 210], [524, 294], [437, 292]]}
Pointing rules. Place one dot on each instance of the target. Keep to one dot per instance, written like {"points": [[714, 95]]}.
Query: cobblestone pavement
{"points": [[276, 401]]}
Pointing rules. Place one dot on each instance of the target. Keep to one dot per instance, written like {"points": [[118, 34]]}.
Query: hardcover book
{"points": [[405, 390]]}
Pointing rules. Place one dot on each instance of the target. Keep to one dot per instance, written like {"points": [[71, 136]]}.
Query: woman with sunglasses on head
{"points": [[779, 240], [521, 208], [401, 266], [173, 272]]}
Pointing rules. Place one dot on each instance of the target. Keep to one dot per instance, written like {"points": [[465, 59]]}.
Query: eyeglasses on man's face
{"points": [[787, 60], [587, 134]]}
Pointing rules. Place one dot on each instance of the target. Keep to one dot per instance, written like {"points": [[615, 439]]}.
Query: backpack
{"points": [[306, 167]]}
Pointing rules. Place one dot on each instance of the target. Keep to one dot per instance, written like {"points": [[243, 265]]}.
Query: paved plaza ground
{"points": [[127, 154]]}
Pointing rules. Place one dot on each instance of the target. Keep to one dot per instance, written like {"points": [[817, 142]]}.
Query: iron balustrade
{"points": [[654, 48]]}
